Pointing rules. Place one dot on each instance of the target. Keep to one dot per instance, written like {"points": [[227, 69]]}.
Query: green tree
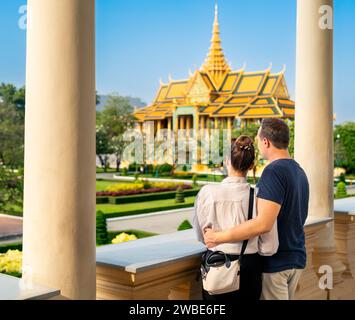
{"points": [[251, 130], [344, 142], [11, 190], [115, 119], [103, 147], [11, 135], [291, 125]]}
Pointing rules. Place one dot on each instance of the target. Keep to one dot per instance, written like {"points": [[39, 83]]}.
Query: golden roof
{"points": [[217, 91], [216, 65]]}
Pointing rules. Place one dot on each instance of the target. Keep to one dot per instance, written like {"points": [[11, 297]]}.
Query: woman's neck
{"points": [[237, 174]]}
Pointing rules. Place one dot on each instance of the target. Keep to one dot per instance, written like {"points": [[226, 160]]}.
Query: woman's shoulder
{"points": [[223, 192], [207, 190]]}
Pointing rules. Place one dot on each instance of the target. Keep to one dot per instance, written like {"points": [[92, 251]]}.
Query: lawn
{"points": [[101, 185], [109, 170], [144, 207]]}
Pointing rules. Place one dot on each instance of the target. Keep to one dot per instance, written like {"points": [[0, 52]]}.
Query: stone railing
{"points": [[12, 288], [166, 267], [345, 243]]}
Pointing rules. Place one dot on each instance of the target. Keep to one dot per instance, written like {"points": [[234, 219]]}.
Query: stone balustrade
{"points": [[166, 267], [12, 288], [345, 243]]}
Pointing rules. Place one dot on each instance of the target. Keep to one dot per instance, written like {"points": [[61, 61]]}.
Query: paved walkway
{"points": [[160, 222], [10, 228]]}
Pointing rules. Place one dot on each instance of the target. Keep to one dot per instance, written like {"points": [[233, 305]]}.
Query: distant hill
{"points": [[136, 102]]}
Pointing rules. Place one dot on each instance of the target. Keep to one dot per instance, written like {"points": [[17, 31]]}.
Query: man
{"points": [[283, 195]]}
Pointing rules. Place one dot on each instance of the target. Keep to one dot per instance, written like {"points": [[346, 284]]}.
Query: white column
{"points": [[59, 201], [314, 119]]}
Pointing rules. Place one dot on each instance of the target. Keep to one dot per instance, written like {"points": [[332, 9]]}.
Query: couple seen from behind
{"points": [[255, 240]]}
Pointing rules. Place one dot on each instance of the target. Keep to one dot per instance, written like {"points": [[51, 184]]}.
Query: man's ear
{"points": [[267, 143]]}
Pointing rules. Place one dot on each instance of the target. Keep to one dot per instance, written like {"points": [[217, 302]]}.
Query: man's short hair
{"points": [[276, 131]]}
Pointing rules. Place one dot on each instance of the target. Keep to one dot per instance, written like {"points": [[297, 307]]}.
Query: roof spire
{"points": [[216, 63]]}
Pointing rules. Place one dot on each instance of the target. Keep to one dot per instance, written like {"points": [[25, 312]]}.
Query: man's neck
{"points": [[279, 154]]}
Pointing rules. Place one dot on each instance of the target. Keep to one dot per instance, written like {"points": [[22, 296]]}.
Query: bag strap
{"points": [[250, 216]]}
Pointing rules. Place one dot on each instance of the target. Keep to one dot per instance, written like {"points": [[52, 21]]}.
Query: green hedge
{"points": [[148, 210], [102, 200], [14, 246], [144, 197]]}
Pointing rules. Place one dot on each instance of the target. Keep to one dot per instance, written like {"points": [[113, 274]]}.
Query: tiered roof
{"points": [[217, 91]]}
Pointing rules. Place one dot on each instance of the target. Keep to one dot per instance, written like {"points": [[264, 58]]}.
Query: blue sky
{"points": [[141, 41]]}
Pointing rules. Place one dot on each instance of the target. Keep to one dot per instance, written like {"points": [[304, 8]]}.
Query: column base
{"points": [[345, 246], [308, 286]]}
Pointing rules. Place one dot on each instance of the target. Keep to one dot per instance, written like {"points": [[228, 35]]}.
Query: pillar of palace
{"points": [[203, 122], [159, 123], [182, 123], [229, 124], [314, 121], [216, 123], [59, 194], [188, 125]]}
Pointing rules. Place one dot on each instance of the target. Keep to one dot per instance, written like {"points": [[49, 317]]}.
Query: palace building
{"points": [[217, 97]]}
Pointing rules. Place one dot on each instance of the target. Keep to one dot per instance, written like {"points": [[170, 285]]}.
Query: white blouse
{"points": [[225, 206]]}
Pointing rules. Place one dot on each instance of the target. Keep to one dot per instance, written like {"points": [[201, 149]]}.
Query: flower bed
{"points": [[140, 188], [11, 263]]}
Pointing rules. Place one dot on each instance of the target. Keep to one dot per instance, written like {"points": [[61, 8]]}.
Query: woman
{"points": [[225, 205]]}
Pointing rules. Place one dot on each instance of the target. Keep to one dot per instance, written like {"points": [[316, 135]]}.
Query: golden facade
{"points": [[215, 96]]}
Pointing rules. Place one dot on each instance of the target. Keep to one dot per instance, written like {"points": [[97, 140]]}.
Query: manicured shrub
{"points": [[101, 229], [133, 167], [341, 191], [185, 225], [124, 172], [165, 169], [102, 200], [194, 180], [180, 198], [146, 184]]}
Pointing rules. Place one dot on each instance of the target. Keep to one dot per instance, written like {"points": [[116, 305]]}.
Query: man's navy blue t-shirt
{"points": [[284, 182]]}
